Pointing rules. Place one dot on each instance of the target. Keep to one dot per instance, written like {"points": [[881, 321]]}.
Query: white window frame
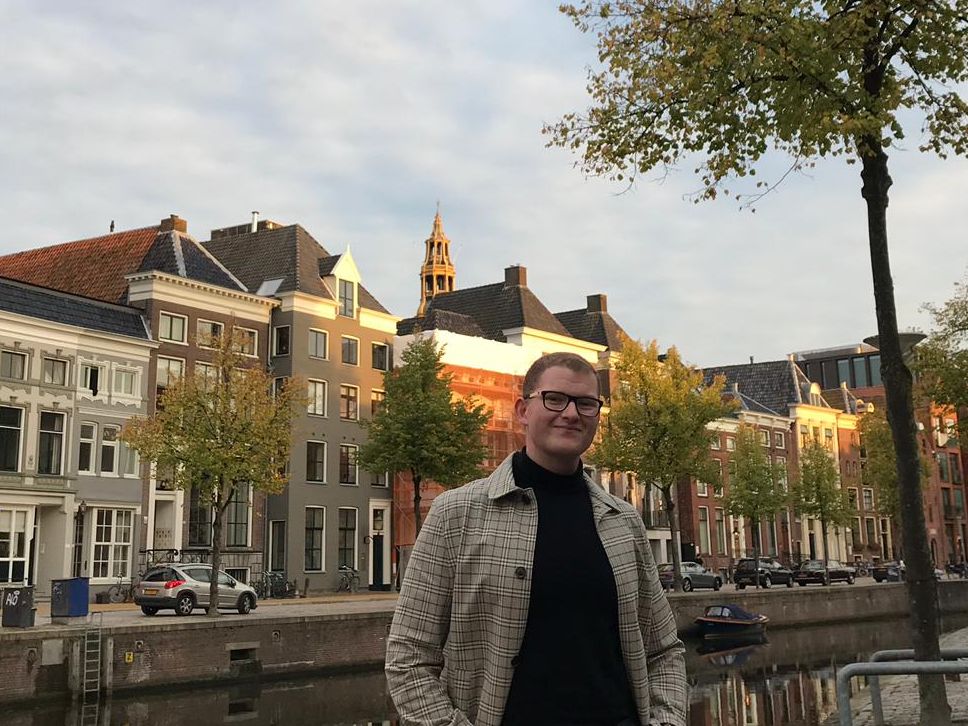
{"points": [[356, 535], [781, 461], [386, 480], [779, 439], [310, 406], [730, 443], [325, 446], [715, 443], [275, 341], [353, 299], [84, 378], [112, 561], [356, 466], [135, 382], [764, 437], [349, 337], [355, 388], [702, 488], [248, 519], [386, 347], [325, 334], [171, 317], [63, 443], [722, 544], [129, 462], [92, 441], [277, 383], [53, 359], [205, 373], [26, 362], [255, 341], [181, 364], [708, 548], [322, 539], [200, 334], [864, 493], [382, 399], [115, 445], [20, 439]]}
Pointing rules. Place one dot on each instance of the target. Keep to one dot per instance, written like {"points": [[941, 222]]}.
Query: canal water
{"points": [[786, 680]]}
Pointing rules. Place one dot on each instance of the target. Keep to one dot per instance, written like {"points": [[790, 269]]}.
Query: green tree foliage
{"points": [[423, 428], [817, 492], [220, 432], [942, 360], [757, 485], [656, 427], [721, 83]]}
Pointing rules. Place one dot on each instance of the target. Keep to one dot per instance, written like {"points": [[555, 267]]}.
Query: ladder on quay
{"points": [[91, 682]]}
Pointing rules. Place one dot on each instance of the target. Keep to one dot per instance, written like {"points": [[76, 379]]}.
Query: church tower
{"points": [[437, 272]]}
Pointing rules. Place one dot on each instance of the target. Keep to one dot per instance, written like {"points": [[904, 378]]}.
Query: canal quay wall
{"points": [[139, 653]]}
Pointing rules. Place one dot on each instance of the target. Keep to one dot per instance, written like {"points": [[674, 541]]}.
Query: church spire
{"points": [[437, 272]]}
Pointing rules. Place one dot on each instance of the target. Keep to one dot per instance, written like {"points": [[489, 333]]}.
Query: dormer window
{"points": [[347, 298]]}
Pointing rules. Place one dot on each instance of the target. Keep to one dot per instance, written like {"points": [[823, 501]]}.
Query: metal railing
{"points": [[891, 662]]}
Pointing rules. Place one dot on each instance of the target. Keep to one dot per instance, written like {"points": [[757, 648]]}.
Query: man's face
{"points": [[556, 440]]}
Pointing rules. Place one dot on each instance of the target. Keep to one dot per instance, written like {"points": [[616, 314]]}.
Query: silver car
{"points": [[184, 587]]}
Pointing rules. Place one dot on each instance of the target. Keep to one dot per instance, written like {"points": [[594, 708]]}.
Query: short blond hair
{"points": [[571, 361]]}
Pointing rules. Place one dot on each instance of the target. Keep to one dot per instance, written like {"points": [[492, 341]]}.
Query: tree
{"points": [[423, 428], [756, 486], [725, 81], [817, 492], [656, 427], [220, 432]]}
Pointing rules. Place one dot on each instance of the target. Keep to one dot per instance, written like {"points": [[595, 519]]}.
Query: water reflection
{"points": [[785, 678]]}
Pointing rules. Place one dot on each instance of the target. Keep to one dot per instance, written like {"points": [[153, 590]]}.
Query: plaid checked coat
{"points": [[463, 607]]}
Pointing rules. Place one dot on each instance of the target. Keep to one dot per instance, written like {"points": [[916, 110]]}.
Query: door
{"points": [[378, 583], [277, 546], [199, 580], [16, 554]]}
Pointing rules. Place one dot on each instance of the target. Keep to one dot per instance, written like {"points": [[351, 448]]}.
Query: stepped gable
{"points": [[594, 324], [498, 307], [773, 384], [93, 267], [60, 307]]}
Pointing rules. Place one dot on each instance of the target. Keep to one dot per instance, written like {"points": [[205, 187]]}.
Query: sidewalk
{"points": [[899, 695]]}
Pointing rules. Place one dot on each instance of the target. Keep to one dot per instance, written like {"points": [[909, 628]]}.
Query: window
{"points": [[349, 403], [351, 351], [315, 535], [317, 398], [730, 443], [199, 520], [764, 437], [169, 371], [869, 499], [10, 426], [280, 340], [125, 382], [702, 489], [247, 341], [171, 328], [804, 436], [781, 464], [860, 372], [347, 464], [852, 497], [843, 371], [720, 531], [128, 462], [347, 295], [13, 365], [206, 375], [828, 439], [316, 461], [779, 440], [207, 333], [377, 401], [113, 534], [871, 530], [318, 344], [278, 384], [51, 443], [704, 529], [237, 518], [55, 371], [381, 356], [380, 480], [718, 485], [875, 363], [942, 459], [13, 545], [347, 537], [91, 377], [85, 461], [109, 449], [955, 469], [714, 443]]}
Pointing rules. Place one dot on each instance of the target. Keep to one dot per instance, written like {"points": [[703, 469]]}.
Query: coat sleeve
{"points": [[665, 653], [415, 647]]}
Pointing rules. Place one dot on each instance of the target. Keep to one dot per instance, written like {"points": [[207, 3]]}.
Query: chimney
{"points": [[516, 275], [255, 221], [597, 303], [751, 360], [735, 387], [174, 223]]}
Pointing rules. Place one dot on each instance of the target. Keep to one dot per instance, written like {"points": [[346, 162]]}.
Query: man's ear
{"points": [[521, 411]]}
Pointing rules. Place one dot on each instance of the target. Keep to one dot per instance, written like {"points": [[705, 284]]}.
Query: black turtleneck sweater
{"points": [[570, 670]]}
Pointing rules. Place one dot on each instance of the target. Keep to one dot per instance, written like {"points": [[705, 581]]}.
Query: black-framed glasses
{"points": [[557, 401]]}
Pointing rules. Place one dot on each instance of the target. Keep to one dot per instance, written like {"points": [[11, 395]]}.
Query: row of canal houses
{"points": [[92, 331]]}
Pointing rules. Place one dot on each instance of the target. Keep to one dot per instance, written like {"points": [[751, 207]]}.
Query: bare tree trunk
{"points": [[416, 478], [900, 415], [670, 506], [826, 551], [755, 532], [217, 510]]}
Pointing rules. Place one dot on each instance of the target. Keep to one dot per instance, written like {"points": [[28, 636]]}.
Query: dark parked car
{"points": [[894, 572], [771, 572], [694, 576], [813, 571]]}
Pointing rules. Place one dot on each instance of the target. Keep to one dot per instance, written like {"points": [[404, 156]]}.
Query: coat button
{"points": [[520, 572]]}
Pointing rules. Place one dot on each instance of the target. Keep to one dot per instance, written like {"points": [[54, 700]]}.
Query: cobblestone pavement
{"points": [[899, 695]]}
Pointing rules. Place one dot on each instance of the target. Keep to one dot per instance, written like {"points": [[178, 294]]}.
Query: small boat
{"points": [[729, 621]]}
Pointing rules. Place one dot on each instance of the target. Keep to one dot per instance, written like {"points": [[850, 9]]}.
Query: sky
{"points": [[355, 119]]}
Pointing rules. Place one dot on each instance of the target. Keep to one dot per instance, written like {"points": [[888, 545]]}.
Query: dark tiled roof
{"points": [[93, 268], [369, 302], [59, 307], [746, 403], [772, 384], [441, 320], [595, 327], [326, 264], [499, 307]]}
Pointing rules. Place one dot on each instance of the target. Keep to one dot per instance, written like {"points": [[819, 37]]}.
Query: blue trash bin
{"points": [[69, 598]]}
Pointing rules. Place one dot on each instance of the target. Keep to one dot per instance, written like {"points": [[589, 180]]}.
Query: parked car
{"points": [[813, 571], [889, 571], [694, 576], [184, 587], [771, 571]]}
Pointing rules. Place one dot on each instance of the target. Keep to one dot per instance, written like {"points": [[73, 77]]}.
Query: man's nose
{"points": [[571, 410]]}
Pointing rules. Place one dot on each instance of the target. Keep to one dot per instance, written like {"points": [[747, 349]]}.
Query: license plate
{"points": [[150, 591]]}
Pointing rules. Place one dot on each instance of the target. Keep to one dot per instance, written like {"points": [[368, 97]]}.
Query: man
{"points": [[531, 596]]}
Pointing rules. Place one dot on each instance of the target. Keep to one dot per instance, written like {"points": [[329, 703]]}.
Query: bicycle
{"points": [[349, 579], [273, 585], [122, 591]]}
